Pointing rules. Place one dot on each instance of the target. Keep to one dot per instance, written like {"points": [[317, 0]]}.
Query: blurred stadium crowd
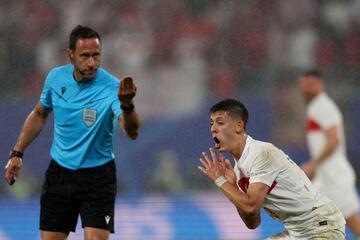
{"points": [[199, 46], [183, 53]]}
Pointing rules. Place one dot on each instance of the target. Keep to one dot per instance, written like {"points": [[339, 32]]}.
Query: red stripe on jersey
{"points": [[312, 125], [244, 184], [272, 186]]}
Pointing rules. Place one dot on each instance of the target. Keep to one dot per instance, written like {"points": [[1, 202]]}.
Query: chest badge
{"points": [[89, 116]]}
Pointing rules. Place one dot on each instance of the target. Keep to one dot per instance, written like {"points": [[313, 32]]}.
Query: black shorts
{"points": [[67, 193]]}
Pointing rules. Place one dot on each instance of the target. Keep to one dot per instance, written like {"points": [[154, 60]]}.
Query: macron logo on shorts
{"points": [[107, 219]]}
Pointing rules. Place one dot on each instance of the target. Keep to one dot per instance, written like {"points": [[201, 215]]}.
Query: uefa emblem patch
{"points": [[89, 116]]}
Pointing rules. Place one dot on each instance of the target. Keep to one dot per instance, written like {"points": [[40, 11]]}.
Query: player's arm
{"points": [[129, 119], [32, 126], [332, 140], [247, 204]]}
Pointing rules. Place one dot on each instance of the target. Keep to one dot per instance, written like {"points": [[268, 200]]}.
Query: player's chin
{"points": [[219, 147], [222, 150]]}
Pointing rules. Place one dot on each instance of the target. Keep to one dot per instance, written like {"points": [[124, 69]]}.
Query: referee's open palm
{"points": [[127, 90]]}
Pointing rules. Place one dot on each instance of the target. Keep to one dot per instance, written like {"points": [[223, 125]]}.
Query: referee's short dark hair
{"points": [[81, 32], [232, 107]]}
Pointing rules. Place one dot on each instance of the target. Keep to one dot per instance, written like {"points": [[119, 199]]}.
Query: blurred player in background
{"points": [[81, 177], [264, 176], [329, 168]]}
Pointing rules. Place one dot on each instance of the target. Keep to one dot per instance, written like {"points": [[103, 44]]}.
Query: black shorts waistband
{"points": [[56, 165]]}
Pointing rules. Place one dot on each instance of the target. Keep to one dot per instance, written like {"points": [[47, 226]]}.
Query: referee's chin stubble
{"points": [[84, 76]]}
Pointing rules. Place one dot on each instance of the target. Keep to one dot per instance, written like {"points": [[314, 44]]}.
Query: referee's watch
{"points": [[127, 109], [14, 153]]}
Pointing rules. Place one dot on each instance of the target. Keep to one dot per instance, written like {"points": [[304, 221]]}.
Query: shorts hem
{"points": [[102, 228]]}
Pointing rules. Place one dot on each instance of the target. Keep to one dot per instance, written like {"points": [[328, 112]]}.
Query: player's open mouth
{"points": [[217, 143]]}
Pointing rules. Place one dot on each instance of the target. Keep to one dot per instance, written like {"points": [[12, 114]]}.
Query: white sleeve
{"points": [[328, 114], [265, 169]]}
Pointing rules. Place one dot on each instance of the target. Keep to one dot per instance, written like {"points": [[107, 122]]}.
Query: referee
{"points": [[81, 177]]}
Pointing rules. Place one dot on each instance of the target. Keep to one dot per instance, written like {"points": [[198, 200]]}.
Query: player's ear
{"points": [[70, 54], [240, 126]]}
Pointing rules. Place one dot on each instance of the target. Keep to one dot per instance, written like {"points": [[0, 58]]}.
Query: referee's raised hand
{"points": [[127, 90]]}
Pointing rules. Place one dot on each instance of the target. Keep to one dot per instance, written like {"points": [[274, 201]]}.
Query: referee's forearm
{"points": [[32, 127], [132, 124]]}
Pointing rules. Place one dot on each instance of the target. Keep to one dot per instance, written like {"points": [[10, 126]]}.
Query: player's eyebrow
{"points": [[219, 118]]}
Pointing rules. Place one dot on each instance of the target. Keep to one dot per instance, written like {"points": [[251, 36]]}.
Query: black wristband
{"points": [[14, 153], [128, 109]]}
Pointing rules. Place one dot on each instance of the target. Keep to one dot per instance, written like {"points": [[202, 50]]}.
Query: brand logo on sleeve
{"points": [[89, 116]]}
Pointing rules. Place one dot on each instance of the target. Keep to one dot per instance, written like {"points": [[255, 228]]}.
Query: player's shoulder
{"points": [[266, 151], [325, 104], [259, 147], [322, 100]]}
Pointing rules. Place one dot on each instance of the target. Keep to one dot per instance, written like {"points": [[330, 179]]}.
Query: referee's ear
{"points": [[70, 55]]}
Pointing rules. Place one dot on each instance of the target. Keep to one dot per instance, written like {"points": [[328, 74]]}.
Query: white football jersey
{"points": [[321, 114], [335, 177], [291, 197]]}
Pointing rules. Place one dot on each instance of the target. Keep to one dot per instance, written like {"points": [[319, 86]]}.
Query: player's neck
{"points": [[241, 146], [313, 97]]}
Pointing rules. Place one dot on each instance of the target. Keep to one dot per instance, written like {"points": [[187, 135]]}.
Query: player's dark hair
{"points": [[312, 73], [232, 107], [81, 32]]}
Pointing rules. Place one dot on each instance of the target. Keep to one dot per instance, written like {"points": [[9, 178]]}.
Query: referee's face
{"points": [[86, 58]]}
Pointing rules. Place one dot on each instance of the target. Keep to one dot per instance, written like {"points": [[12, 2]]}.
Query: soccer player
{"points": [[329, 168], [264, 176], [87, 101]]}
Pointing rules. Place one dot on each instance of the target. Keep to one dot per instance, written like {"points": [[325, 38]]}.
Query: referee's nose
{"points": [[91, 63]]}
